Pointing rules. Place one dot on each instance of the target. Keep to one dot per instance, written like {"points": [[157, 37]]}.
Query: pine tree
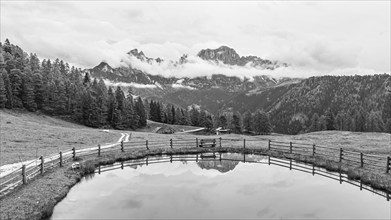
{"points": [[130, 114], [236, 127], [374, 122], [194, 116], [247, 122], [262, 123], [111, 106], [315, 123], [61, 100], [87, 79], [173, 115], [3, 91], [16, 87], [28, 97], [329, 120], [8, 91], [140, 111], [39, 89], [119, 119], [222, 121]]}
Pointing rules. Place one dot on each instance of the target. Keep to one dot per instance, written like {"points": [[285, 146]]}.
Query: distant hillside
{"points": [[356, 103]]}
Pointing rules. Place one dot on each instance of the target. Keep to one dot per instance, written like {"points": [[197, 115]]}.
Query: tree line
{"points": [[55, 88]]}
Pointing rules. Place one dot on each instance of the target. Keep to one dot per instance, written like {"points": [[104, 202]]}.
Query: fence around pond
{"points": [[356, 159]]}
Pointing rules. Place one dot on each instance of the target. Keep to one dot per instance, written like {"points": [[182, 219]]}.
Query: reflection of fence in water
{"points": [[218, 157]]}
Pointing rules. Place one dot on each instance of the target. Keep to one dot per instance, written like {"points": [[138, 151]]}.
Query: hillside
{"points": [[26, 136], [355, 103]]}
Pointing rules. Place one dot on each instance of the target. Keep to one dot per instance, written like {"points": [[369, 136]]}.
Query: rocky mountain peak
{"points": [[229, 56], [141, 56], [224, 54], [103, 66]]}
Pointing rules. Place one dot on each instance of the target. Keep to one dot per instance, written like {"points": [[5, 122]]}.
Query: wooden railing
{"points": [[39, 166]]}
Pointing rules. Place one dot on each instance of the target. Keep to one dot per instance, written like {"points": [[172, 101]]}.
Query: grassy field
{"points": [[26, 136], [152, 126], [369, 143]]}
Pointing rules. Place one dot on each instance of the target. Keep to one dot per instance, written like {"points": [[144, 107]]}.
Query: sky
{"points": [[316, 38]]}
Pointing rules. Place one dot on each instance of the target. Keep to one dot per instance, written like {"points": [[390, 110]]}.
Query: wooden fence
{"points": [[28, 171]]}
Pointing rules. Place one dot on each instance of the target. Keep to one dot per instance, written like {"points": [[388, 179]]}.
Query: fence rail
{"points": [[27, 172]]}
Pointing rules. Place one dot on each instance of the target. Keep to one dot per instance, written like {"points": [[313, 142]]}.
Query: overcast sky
{"points": [[347, 37]]}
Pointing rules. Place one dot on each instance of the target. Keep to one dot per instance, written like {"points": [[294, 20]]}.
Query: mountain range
{"points": [[214, 93], [285, 99]]}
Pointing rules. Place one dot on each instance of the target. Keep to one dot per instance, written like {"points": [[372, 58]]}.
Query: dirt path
{"points": [[9, 168]]}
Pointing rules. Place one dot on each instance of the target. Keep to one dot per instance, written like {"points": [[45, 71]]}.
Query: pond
{"points": [[223, 186]]}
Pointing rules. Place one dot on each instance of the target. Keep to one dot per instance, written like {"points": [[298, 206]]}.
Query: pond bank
{"points": [[37, 199]]}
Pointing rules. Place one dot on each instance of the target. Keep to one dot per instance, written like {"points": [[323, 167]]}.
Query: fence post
{"points": [[171, 143], [122, 146], [60, 158], [290, 147], [220, 142], [290, 164], [313, 150], [196, 142], [42, 164], [220, 156], [244, 143], [362, 159], [269, 145], [313, 170], [146, 144], [73, 153], [340, 154], [24, 174], [388, 164], [146, 160], [171, 158], [98, 150]]}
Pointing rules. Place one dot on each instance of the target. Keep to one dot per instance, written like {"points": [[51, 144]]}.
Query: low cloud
{"points": [[197, 67], [135, 85]]}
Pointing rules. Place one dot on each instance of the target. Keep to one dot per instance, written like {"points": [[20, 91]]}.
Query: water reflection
{"points": [[219, 186]]}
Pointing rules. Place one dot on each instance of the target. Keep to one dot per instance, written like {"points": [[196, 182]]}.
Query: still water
{"points": [[225, 187]]}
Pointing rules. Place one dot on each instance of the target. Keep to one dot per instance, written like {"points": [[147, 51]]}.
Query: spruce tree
{"points": [[3, 91], [15, 77], [28, 97], [236, 126], [140, 111], [247, 122]]}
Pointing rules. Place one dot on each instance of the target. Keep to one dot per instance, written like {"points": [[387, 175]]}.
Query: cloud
{"points": [[197, 67], [135, 85], [316, 38]]}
